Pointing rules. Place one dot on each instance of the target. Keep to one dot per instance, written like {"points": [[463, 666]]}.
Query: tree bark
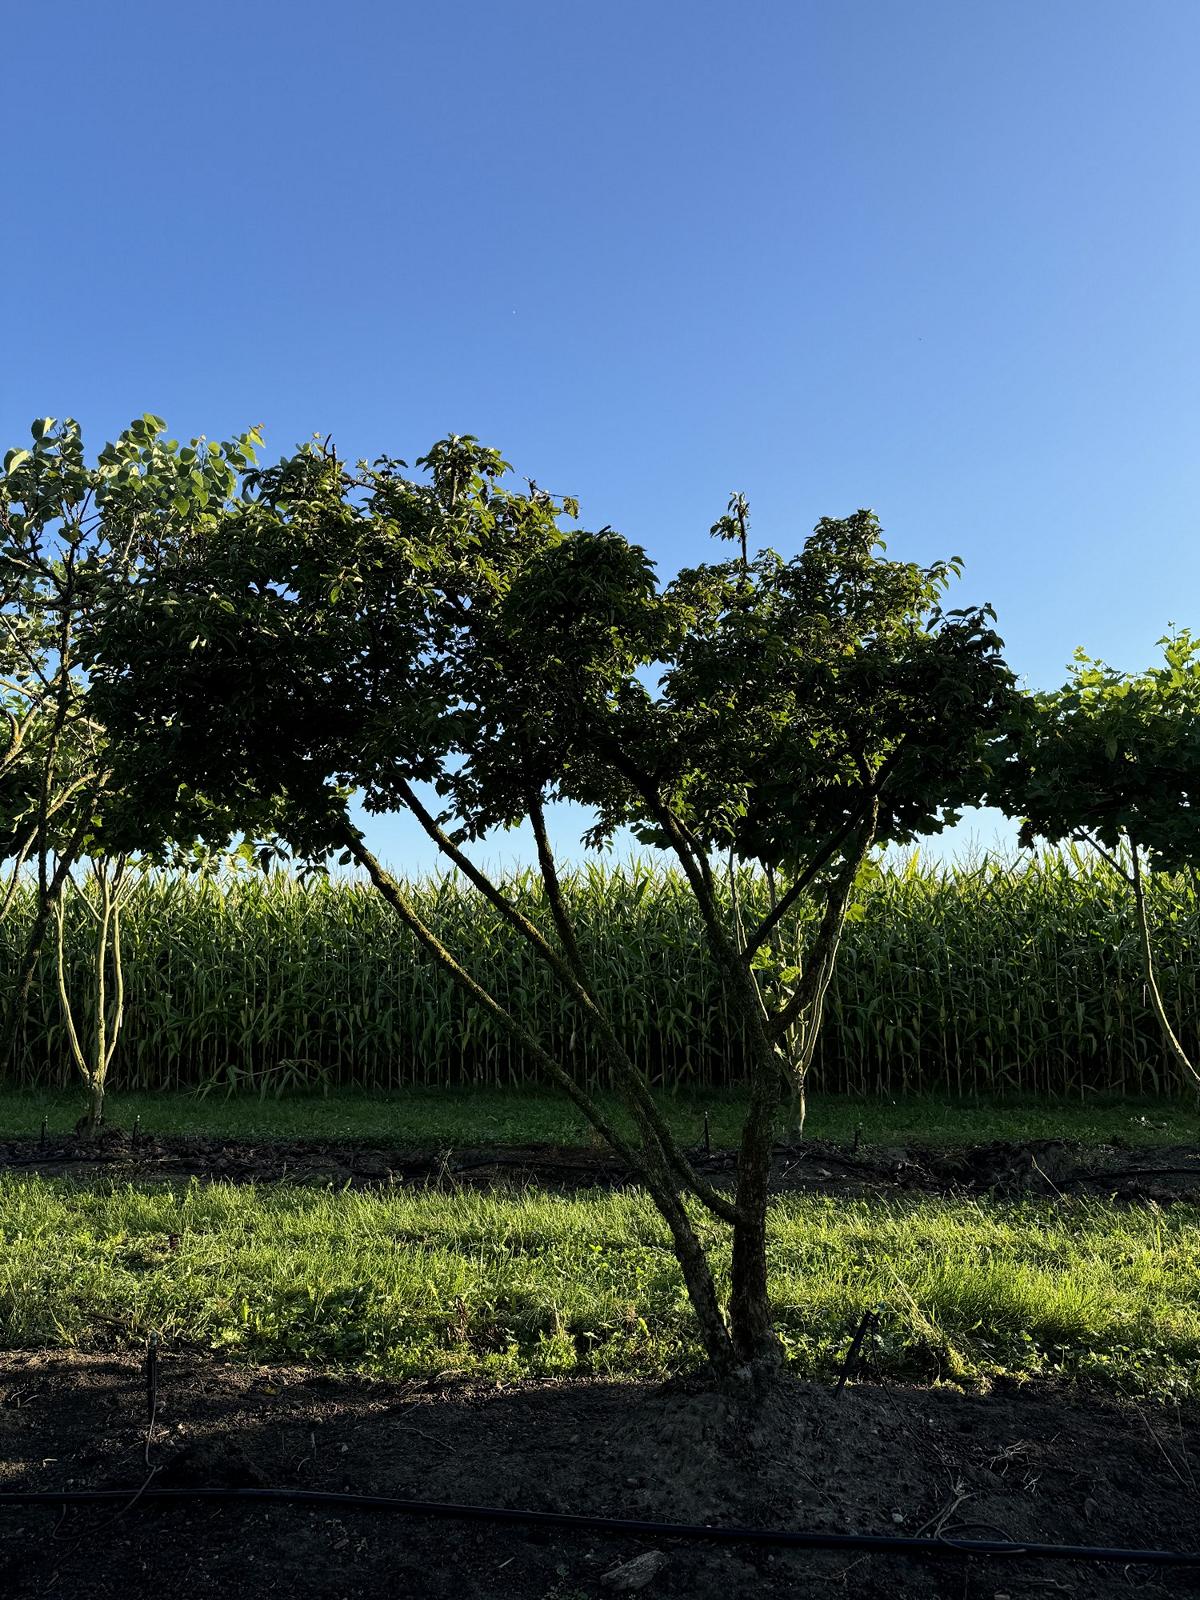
{"points": [[751, 1319], [93, 1118]]}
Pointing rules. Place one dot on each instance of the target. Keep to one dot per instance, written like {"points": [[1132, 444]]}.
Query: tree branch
{"points": [[800, 885], [819, 967], [1174, 1049], [689, 1251], [872, 790], [651, 1121], [569, 971]]}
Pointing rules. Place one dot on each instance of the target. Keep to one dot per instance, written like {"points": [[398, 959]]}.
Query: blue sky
{"points": [[936, 258]]}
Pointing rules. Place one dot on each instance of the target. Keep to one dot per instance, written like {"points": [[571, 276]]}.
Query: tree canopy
{"points": [[73, 539], [445, 643], [338, 631], [1113, 759]]}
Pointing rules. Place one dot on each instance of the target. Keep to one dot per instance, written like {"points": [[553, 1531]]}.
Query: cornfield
{"points": [[996, 980]]}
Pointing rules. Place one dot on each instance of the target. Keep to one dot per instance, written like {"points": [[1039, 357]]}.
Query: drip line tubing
{"points": [[778, 1538]]}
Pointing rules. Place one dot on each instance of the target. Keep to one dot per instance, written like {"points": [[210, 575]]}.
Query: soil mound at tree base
{"points": [[1026, 1464]]}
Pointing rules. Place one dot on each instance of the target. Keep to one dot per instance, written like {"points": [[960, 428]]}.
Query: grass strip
{"points": [[441, 1118], [514, 1284]]}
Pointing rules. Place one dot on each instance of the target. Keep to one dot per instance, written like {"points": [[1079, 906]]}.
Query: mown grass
{"points": [[457, 1118], [512, 1284]]}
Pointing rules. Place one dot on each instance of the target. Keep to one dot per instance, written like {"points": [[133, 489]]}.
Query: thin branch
{"points": [[1178, 1054], [803, 883], [816, 978], [118, 1011], [1113, 861], [689, 1251], [14, 876], [650, 1119], [574, 980], [691, 857], [873, 788], [391, 891], [64, 997]]}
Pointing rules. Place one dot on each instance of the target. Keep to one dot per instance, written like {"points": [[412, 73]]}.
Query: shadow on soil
{"points": [[1040, 1166], [1015, 1464]]}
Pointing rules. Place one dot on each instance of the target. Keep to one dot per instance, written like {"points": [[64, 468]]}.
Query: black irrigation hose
{"points": [[776, 1537]]}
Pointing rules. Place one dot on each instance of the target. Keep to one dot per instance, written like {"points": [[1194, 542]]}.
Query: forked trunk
{"points": [[92, 1119]]}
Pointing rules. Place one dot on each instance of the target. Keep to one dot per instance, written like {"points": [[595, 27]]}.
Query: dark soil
{"points": [[1022, 1464], [1044, 1166]]}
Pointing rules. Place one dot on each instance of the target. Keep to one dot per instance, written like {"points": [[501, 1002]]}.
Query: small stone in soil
{"points": [[635, 1574]]}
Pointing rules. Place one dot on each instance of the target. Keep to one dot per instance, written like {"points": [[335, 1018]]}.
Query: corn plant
{"points": [[998, 979]]}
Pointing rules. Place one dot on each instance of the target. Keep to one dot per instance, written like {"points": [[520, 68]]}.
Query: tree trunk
{"points": [[92, 1119], [751, 1320]]}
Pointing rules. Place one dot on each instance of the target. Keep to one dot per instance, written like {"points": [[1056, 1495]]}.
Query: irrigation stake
{"points": [[42, 1136], [707, 1136], [151, 1382], [869, 1320], [136, 1133]]}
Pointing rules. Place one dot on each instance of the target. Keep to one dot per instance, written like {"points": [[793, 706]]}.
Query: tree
{"points": [[339, 632], [1112, 760], [72, 540]]}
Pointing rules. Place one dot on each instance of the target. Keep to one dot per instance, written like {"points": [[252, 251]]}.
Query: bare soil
{"points": [[1024, 1464], [1043, 1166]]}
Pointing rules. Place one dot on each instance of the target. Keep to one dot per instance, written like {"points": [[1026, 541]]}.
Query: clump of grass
{"points": [[516, 1284]]}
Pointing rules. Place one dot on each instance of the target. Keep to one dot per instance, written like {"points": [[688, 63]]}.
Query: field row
{"points": [[993, 981]]}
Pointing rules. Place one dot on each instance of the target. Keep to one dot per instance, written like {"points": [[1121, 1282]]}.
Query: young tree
{"points": [[1112, 759], [409, 638], [72, 540]]}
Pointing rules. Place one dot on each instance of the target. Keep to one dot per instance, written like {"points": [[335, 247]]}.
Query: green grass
{"points": [[418, 1283], [462, 1117]]}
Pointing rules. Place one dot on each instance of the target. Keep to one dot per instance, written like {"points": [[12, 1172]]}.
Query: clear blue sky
{"points": [[936, 258]]}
